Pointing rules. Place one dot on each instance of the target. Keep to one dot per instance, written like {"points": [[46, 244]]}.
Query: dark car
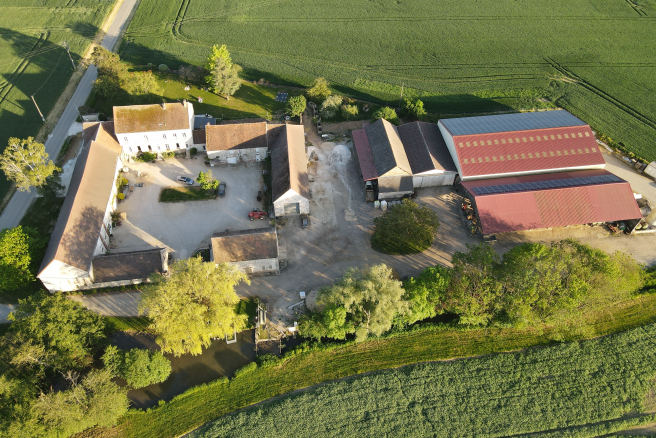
{"points": [[186, 180], [222, 189], [305, 222]]}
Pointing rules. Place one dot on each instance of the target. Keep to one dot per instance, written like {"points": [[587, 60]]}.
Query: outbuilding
{"points": [[291, 187], [238, 141], [253, 251]]}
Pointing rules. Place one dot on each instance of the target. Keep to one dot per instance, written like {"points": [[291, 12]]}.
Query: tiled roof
{"points": [[387, 148], [511, 122], [365, 157], [243, 245], [394, 184], [198, 136], [127, 265], [289, 163], [553, 207], [236, 136], [151, 118], [527, 151], [425, 147], [76, 232]]}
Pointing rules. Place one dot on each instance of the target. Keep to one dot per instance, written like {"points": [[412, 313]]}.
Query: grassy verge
{"points": [[135, 324], [182, 194], [430, 343]]}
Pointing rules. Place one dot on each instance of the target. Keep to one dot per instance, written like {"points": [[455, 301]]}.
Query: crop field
{"points": [[588, 388], [596, 58], [33, 61]]}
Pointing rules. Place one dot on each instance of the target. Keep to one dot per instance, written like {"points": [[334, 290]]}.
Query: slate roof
{"points": [[552, 207], [394, 184], [236, 136], [386, 147], [127, 265], [151, 118], [425, 147], [76, 232], [289, 163], [244, 245], [365, 157], [201, 121], [511, 122]]}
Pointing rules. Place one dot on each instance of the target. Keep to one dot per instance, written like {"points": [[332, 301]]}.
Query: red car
{"points": [[257, 214]]}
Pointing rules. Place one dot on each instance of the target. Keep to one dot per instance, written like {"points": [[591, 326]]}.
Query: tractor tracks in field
{"points": [[601, 93]]}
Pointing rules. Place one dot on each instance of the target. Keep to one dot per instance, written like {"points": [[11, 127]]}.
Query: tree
{"points": [[51, 331], [193, 304], [319, 91], [386, 113], [406, 228], [330, 106], [362, 303], [207, 181], [225, 78], [218, 52], [425, 293], [138, 367], [26, 163], [296, 106], [95, 401], [111, 72], [17, 247], [140, 83], [413, 109], [474, 292], [349, 111]]}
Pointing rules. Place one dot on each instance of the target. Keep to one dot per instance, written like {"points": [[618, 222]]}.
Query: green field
{"points": [[32, 61], [596, 58], [580, 389]]}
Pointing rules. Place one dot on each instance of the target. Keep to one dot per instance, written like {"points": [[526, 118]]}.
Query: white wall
{"points": [[291, 197], [255, 267], [132, 141], [448, 139], [58, 276], [433, 179], [241, 154]]}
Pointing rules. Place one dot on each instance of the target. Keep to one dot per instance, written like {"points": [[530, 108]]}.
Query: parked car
{"points": [[186, 180], [305, 221], [257, 214], [222, 189]]}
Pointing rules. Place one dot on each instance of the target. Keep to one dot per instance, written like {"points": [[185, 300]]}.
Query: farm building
{"points": [[84, 225], [253, 251], [237, 142], [154, 128], [520, 144], [400, 159], [291, 188]]}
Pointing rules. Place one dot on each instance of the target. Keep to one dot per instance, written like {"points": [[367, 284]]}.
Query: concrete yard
{"points": [[186, 226]]}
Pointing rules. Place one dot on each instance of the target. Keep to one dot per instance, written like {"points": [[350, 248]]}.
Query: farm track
{"points": [[601, 93]]}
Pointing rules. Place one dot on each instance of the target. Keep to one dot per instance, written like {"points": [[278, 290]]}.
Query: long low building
{"points": [[253, 251]]}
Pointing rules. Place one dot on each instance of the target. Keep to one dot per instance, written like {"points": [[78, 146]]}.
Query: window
{"points": [[139, 148], [184, 135], [126, 139], [145, 137], [164, 136], [204, 148], [175, 135], [159, 148], [167, 147], [178, 145], [130, 149]]}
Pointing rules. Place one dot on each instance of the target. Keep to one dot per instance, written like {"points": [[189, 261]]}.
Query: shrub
{"points": [[330, 106], [407, 228], [162, 67], [193, 151], [138, 367], [170, 154], [191, 73], [349, 111], [386, 113], [121, 182], [146, 157], [248, 368], [413, 109], [319, 91], [120, 196], [267, 360], [296, 106], [149, 65]]}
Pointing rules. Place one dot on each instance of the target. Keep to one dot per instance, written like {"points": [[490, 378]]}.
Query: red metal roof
{"points": [[525, 210], [526, 151], [366, 158]]}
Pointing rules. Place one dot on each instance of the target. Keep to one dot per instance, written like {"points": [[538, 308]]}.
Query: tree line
{"points": [[532, 285]]}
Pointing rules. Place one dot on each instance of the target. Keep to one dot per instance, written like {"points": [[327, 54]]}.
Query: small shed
{"points": [[253, 251]]}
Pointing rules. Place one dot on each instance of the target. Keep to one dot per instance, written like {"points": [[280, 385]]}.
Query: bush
{"points": [[121, 182], [407, 228], [267, 360], [138, 367], [120, 196], [162, 67], [248, 368], [413, 109], [149, 65], [170, 154], [386, 113], [330, 106], [146, 157], [193, 151], [319, 91]]}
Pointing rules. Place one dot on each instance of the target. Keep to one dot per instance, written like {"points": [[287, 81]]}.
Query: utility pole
{"points": [[402, 85], [69, 54], [37, 108]]}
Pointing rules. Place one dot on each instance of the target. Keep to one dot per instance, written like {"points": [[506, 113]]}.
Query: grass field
{"points": [[205, 403], [596, 58], [33, 62], [182, 194], [565, 390]]}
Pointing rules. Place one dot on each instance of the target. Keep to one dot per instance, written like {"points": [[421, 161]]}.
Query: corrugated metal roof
{"points": [[511, 122], [527, 151], [425, 147], [546, 208], [365, 157]]}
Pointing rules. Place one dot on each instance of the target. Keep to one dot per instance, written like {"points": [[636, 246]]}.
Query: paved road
{"points": [[111, 304], [21, 201]]}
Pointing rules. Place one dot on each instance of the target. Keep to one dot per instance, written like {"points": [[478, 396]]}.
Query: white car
{"points": [[186, 180]]}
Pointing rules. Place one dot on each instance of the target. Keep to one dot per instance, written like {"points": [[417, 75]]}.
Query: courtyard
{"points": [[185, 226]]}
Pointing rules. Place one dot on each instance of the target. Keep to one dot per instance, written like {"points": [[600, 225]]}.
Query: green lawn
{"points": [[595, 58], [249, 101], [203, 404], [137, 324], [183, 194]]}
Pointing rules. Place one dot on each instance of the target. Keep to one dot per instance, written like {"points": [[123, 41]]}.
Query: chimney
{"points": [[163, 104], [184, 102]]}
